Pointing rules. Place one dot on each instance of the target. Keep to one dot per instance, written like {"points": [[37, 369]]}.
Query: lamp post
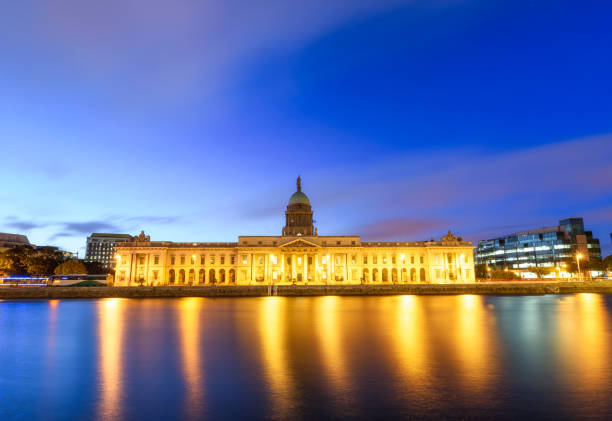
{"points": [[578, 257]]}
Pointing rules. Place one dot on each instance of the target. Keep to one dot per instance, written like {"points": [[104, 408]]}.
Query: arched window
{"points": [[191, 276], [394, 275], [211, 276], [232, 276], [422, 275], [385, 275], [404, 275], [413, 275], [366, 275], [375, 275], [222, 276], [182, 276], [202, 276], [171, 276]]}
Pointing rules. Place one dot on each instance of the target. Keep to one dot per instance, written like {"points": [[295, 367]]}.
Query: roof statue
{"points": [[299, 183]]}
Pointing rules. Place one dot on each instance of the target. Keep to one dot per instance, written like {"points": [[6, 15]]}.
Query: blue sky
{"points": [[191, 120]]}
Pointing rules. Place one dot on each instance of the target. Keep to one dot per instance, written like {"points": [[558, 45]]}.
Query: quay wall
{"points": [[505, 288]]}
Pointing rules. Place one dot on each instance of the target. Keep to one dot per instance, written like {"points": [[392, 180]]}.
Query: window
{"points": [[244, 259], [193, 259], [393, 259], [338, 243], [375, 259], [155, 275], [233, 259], [222, 260], [273, 259], [259, 242], [212, 260], [324, 260], [299, 260], [422, 259], [182, 260], [202, 260], [260, 260], [141, 260], [353, 242], [310, 260], [353, 259], [156, 260], [365, 260], [385, 260], [338, 260], [412, 260]]}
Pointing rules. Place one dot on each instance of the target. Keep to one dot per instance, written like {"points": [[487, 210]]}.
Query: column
{"points": [[316, 270], [305, 267], [146, 273], [292, 267], [282, 275]]}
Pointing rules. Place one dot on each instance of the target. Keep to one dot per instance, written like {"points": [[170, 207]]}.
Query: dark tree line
{"points": [[39, 261]]}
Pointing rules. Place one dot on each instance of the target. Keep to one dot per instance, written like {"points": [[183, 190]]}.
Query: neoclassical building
{"points": [[298, 256]]}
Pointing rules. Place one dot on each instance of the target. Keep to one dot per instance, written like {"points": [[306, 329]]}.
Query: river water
{"points": [[307, 358]]}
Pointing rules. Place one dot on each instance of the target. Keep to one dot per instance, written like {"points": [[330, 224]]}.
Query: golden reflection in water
{"points": [[410, 344], [272, 330], [189, 327], [475, 343], [110, 337], [584, 343], [329, 332]]}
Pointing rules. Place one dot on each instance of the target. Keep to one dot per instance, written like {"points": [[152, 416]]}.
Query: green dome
{"points": [[299, 197]]}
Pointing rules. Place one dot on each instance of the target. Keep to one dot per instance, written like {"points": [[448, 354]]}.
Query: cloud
{"points": [[89, 227], [165, 51], [473, 191], [21, 225], [398, 228]]}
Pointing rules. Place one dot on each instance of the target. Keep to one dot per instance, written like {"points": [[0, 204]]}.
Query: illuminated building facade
{"points": [[543, 247], [298, 256]]}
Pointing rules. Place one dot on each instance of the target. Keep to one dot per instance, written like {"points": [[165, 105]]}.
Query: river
{"points": [[386, 357]]}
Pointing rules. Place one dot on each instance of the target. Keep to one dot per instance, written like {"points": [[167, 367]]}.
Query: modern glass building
{"points": [[543, 247]]}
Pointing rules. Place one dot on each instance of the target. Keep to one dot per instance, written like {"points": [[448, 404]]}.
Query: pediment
{"points": [[300, 243]]}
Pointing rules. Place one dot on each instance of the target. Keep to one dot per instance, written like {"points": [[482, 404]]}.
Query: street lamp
{"points": [[578, 257]]}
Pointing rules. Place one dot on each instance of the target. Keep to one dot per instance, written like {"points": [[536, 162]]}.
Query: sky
{"points": [[191, 120]]}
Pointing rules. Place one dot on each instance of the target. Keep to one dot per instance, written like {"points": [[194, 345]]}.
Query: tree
{"points": [[43, 261], [503, 274], [71, 267], [96, 268], [540, 271], [14, 261], [481, 271]]}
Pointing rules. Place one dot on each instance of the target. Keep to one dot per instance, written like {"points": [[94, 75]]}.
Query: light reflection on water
{"points": [[110, 337], [302, 358]]}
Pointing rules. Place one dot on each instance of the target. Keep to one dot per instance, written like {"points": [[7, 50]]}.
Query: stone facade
{"points": [[293, 258]]}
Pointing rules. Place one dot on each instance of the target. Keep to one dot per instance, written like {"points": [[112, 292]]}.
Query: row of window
{"points": [[274, 259]]}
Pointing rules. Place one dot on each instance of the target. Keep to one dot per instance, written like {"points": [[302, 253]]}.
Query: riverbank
{"points": [[505, 288]]}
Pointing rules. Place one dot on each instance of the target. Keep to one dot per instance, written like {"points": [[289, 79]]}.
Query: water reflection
{"points": [[275, 359], [310, 358], [475, 343], [190, 330], [110, 337], [584, 345], [410, 344], [329, 328]]}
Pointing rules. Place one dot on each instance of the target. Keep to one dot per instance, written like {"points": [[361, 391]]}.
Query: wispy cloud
{"points": [[398, 229]]}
